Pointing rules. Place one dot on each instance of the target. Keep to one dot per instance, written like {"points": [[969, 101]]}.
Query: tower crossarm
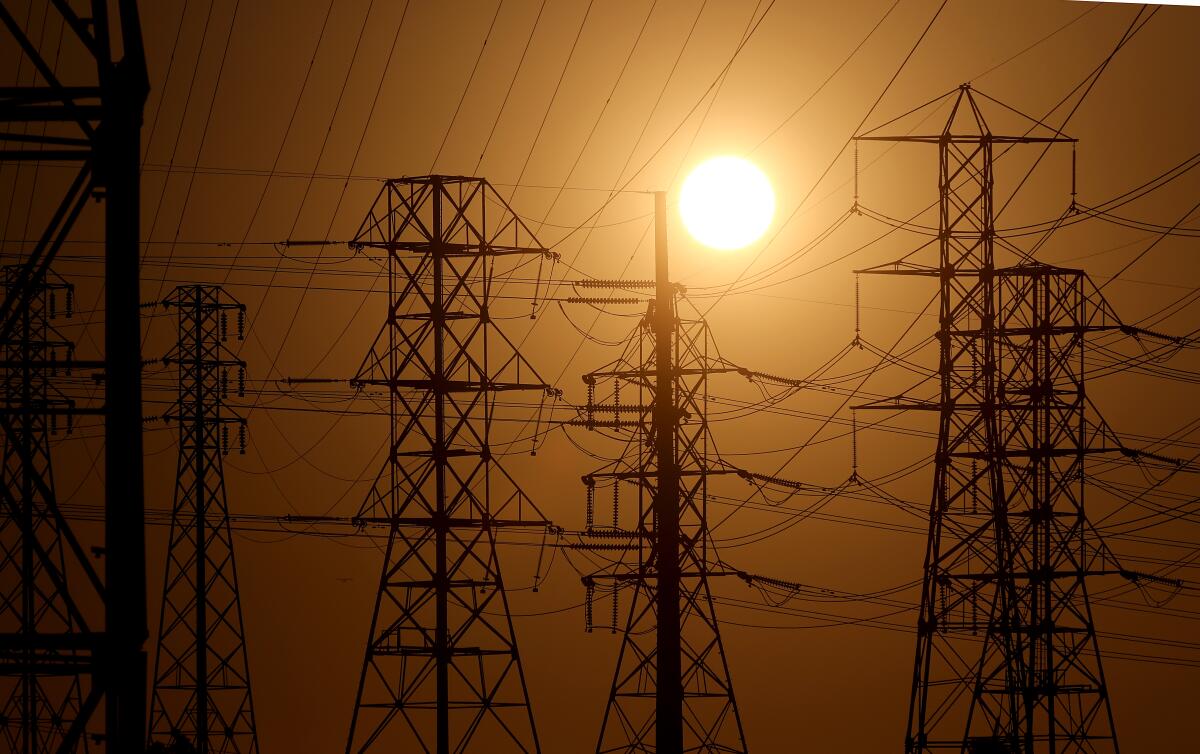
{"points": [[454, 386], [460, 522], [898, 403], [460, 250], [969, 139]]}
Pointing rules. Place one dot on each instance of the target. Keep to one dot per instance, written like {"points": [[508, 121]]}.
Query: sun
{"points": [[726, 203]]}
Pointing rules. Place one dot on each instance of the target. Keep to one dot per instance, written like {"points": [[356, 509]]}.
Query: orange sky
{"points": [[267, 122]]}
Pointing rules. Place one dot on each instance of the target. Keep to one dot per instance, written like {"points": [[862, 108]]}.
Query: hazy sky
{"points": [[271, 121]]}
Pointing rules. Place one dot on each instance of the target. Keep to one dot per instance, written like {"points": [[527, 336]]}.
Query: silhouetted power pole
{"points": [[69, 115], [1007, 658], [671, 689], [442, 672], [41, 687], [201, 674]]}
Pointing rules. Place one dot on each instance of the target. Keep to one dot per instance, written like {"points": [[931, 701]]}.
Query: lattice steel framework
{"points": [[442, 671], [85, 109], [201, 675], [40, 687], [671, 689], [1007, 658]]}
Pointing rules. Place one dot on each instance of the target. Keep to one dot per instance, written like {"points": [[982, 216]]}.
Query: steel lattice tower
{"points": [[442, 672], [671, 690], [201, 675], [88, 114], [1007, 658], [40, 687]]}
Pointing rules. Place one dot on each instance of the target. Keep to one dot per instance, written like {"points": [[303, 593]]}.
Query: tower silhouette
{"points": [[1007, 656], [40, 686], [201, 692], [442, 672], [90, 116], [671, 690]]}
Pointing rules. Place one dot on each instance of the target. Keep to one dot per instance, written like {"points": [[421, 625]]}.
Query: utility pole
{"points": [[201, 673], [96, 124], [671, 689], [442, 672], [1007, 657]]}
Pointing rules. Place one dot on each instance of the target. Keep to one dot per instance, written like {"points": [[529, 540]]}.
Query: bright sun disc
{"points": [[726, 203]]}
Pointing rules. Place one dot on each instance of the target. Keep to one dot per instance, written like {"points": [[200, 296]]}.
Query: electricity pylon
{"points": [[88, 114], [201, 674], [671, 690], [1007, 657], [442, 672], [40, 687]]}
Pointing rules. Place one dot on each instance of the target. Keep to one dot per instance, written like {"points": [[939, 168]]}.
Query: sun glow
{"points": [[726, 203]]}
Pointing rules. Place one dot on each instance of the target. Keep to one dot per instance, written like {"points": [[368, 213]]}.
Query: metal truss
{"points": [[201, 676], [442, 672], [1007, 658], [91, 116], [41, 684], [671, 688]]}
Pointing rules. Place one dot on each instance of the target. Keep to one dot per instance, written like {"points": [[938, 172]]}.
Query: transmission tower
{"points": [[71, 115], [442, 672], [1007, 657], [42, 687], [201, 676], [671, 689]]}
